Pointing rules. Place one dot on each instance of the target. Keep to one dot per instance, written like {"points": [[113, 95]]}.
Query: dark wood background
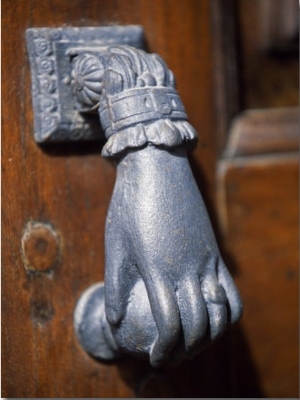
{"points": [[252, 203]]}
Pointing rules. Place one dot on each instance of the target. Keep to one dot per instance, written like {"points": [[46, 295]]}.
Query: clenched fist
{"points": [[167, 290]]}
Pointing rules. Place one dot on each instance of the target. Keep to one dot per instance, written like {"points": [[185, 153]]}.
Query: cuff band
{"points": [[139, 105]]}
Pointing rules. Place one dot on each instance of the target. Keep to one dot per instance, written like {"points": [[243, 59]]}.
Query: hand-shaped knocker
{"points": [[167, 292]]}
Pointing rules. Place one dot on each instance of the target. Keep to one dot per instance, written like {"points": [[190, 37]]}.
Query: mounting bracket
{"points": [[56, 117]]}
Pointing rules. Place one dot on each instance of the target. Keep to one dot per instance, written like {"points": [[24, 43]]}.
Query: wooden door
{"points": [[54, 203]]}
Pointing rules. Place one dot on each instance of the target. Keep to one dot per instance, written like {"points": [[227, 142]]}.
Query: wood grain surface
{"points": [[269, 47], [263, 131], [259, 209], [54, 203], [67, 189]]}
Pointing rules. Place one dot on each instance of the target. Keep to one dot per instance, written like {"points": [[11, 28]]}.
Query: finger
{"points": [[165, 312], [215, 299], [212, 291], [217, 319], [117, 287], [234, 299], [193, 312]]}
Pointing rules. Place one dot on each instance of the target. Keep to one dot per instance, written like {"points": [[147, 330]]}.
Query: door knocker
{"points": [[167, 292]]}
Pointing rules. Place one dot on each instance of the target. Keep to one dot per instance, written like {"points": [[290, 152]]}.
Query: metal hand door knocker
{"points": [[167, 291]]}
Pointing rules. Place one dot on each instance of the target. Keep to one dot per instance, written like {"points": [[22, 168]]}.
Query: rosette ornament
{"points": [[87, 81]]}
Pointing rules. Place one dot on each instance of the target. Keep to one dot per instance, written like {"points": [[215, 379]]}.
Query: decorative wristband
{"points": [[140, 105]]}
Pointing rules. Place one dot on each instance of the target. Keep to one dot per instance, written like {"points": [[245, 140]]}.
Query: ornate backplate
{"points": [[56, 118]]}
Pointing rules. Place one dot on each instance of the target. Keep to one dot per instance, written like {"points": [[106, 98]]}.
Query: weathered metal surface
{"points": [[168, 293], [56, 118]]}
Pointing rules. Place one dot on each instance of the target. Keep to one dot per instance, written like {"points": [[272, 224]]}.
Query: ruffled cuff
{"points": [[162, 133]]}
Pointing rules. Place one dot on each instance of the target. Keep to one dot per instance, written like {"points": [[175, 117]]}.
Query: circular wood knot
{"points": [[40, 247]]}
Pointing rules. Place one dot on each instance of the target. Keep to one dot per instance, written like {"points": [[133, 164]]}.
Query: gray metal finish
{"points": [[167, 291], [56, 117]]}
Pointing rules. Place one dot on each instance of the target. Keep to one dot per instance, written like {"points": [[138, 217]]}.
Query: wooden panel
{"points": [[263, 131], [67, 189], [258, 208], [226, 67], [269, 45]]}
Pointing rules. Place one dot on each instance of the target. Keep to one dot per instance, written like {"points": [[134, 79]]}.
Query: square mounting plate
{"points": [[55, 117]]}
